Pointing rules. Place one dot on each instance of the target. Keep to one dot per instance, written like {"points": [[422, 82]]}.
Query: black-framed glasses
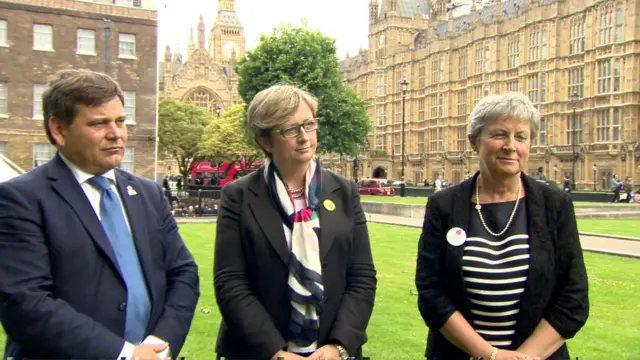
{"points": [[294, 131]]}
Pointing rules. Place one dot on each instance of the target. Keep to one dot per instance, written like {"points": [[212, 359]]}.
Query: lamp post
{"points": [[404, 85], [218, 109], [574, 100], [595, 171]]}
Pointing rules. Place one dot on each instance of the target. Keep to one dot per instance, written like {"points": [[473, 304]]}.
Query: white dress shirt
{"points": [[93, 195]]}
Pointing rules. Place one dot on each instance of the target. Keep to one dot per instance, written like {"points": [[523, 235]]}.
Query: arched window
{"points": [[202, 98]]}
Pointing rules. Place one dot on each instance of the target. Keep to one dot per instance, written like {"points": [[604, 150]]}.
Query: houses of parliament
{"points": [[577, 60]]}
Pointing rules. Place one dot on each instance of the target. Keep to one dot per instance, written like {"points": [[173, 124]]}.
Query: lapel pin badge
{"points": [[329, 205], [456, 236], [131, 191]]}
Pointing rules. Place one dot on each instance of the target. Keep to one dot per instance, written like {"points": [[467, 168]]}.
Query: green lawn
{"points": [[622, 227], [396, 330]]}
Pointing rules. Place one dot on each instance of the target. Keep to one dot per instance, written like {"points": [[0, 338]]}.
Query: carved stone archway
{"points": [[204, 98], [379, 173]]}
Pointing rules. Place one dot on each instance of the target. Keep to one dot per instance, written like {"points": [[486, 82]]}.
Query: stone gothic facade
{"points": [[577, 60]]}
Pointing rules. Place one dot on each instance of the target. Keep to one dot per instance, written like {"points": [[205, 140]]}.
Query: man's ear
{"points": [[57, 129]]}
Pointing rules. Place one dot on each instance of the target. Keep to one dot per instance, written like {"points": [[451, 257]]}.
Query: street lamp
{"points": [[218, 109], [356, 162], [574, 100], [404, 85], [595, 170]]}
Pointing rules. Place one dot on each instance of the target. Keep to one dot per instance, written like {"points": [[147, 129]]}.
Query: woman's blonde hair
{"points": [[274, 106]]}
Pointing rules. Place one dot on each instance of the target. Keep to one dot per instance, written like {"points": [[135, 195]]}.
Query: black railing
{"points": [[195, 201]]}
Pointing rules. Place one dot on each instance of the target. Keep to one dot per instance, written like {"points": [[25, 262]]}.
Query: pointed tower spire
{"points": [[201, 33], [190, 45]]}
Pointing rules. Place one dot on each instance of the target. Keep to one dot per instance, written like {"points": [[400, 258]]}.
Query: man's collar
{"points": [[82, 175]]}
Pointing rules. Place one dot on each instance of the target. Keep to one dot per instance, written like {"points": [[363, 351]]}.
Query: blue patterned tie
{"points": [[114, 224]]}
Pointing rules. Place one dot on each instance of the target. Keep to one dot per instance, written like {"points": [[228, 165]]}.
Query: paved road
{"points": [[600, 244], [590, 242]]}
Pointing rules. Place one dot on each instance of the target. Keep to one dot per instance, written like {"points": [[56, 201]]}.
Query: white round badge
{"points": [[456, 236]]}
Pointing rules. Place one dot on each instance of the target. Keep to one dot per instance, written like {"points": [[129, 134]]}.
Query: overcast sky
{"points": [[344, 20]]}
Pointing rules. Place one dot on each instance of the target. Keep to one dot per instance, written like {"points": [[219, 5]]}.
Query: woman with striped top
{"points": [[500, 272]]}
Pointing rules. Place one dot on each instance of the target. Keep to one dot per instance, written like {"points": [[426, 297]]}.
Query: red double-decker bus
{"points": [[225, 172]]}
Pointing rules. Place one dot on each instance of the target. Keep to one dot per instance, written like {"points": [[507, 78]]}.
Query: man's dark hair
{"points": [[70, 88]]}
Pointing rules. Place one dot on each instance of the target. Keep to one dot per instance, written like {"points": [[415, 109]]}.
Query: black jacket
{"points": [[556, 289], [251, 273]]}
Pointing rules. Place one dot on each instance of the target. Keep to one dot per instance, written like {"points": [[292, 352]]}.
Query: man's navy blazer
{"points": [[61, 292]]}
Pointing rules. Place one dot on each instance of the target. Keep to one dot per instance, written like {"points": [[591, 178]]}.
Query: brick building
{"points": [[546, 49], [40, 37]]}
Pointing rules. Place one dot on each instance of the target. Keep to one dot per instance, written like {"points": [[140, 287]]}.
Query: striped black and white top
{"points": [[495, 270]]}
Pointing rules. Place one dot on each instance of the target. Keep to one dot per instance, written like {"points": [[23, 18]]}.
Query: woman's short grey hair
{"points": [[274, 106], [511, 105]]}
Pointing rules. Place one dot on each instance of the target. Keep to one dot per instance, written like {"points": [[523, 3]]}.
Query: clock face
{"points": [[229, 47]]}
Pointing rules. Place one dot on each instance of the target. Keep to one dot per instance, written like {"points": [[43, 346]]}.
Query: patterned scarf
{"points": [[305, 269]]}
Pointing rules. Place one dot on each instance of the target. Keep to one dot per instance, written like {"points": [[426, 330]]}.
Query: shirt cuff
{"points": [[127, 351]]}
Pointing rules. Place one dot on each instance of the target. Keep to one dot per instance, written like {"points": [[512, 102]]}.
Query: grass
{"points": [[622, 227], [396, 330]]}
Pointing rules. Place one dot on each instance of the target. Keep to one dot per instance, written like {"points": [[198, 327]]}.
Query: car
{"points": [[378, 187]]}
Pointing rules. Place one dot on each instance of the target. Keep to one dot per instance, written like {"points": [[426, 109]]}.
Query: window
{"points": [[421, 74], [397, 106], [435, 70], [41, 154], [380, 84], [127, 160], [379, 142], [4, 99], [576, 81], [619, 20], [604, 76], [3, 148], [603, 133], [477, 94], [462, 65], [421, 142], [433, 140], [441, 77], [512, 85], [127, 46], [545, 41], [487, 58], [380, 115], [576, 37], [606, 25], [462, 138], [398, 79], [577, 132], [616, 75], [421, 109], [124, 2], [396, 144], [543, 87], [86, 41], [542, 133], [534, 44], [440, 106], [130, 106], [42, 37], [433, 100], [479, 59], [615, 129], [462, 102], [38, 90], [532, 85], [4, 33], [513, 52]]}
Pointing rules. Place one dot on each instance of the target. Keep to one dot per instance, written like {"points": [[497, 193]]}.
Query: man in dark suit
{"points": [[93, 266]]}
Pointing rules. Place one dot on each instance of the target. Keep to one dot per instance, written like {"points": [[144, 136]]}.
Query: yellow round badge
{"points": [[329, 205]]}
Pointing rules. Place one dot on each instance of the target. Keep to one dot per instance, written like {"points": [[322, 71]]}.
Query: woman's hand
{"points": [[513, 355], [285, 355], [327, 352]]}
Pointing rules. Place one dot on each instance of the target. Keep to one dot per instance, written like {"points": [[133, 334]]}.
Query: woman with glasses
{"points": [[294, 276]]}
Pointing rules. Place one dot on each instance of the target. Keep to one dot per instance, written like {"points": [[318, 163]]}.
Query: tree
{"points": [[225, 138], [306, 58], [180, 129]]}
